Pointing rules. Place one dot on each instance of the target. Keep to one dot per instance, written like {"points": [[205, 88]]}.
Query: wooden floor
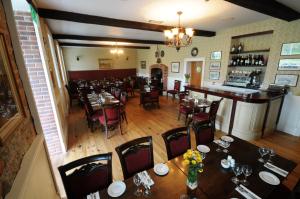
{"points": [[141, 122]]}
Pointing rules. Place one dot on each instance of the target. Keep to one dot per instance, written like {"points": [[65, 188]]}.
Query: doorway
{"points": [[196, 73]]}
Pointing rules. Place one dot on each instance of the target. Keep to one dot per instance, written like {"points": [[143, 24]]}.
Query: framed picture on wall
{"points": [[285, 79], [215, 65], [143, 64], [289, 64], [105, 63], [216, 55], [175, 67], [290, 49], [214, 75], [11, 110]]}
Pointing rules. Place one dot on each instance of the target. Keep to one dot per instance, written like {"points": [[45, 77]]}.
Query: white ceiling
{"points": [[199, 14]]}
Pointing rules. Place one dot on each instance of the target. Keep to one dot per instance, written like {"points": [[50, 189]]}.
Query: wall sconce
{"points": [[78, 58]]}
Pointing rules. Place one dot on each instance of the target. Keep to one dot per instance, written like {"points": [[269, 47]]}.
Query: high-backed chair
{"points": [[111, 117], [177, 141], [210, 116], [91, 115], [151, 98], [184, 108], [136, 156], [90, 175], [176, 89], [123, 100], [204, 132]]}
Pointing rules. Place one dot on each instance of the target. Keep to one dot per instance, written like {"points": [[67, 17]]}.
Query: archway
{"points": [[164, 70]]}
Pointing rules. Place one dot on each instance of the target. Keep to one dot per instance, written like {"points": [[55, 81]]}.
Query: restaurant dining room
{"points": [[149, 99]]}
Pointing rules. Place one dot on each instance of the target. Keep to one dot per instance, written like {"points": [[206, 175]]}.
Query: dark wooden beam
{"points": [[269, 7], [101, 45], [32, 5], [105, 21], [92, 38]]}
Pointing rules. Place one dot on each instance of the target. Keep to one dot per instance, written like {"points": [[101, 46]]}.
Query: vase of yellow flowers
{"points": [[193, 159]]}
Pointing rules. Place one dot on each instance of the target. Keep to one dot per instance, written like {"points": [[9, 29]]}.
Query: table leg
{"points": [[280, 108], [233, 108]]}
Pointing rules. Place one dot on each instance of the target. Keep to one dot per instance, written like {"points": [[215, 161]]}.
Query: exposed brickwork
{"points": [[33, 64], [164, 69]]}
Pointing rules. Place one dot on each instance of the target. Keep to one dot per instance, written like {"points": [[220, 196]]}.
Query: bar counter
{"points": [[245, 113]]}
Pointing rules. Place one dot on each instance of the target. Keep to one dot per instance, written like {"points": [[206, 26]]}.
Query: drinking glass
{"points": [[271, 154], [218, 148], [226, 145], [247, 171], [147, 192], [262, 151], [237, 170], [137, 181]]}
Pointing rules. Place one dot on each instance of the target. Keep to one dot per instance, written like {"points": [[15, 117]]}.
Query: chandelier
{"points": [[116, 51], [179, 37]]}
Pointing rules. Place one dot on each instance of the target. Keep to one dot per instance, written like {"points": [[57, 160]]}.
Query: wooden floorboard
{"points": [[154, 122]]}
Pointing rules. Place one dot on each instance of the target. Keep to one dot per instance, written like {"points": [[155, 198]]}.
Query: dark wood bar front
{"points": [[260, 97]]}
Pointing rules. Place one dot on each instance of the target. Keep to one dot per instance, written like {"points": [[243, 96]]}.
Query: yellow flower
{"points": [[185, 156], [186, 162], [194, 162], [200, 170], [199, 159]]}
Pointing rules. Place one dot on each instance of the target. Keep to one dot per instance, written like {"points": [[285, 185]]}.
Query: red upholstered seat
{"points": [[91, 174], [201, 116], [177, 141], [110, 116], [176, 89], [136, 156]]}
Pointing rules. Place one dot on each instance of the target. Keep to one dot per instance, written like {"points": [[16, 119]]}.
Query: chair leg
{"points": [[124, 117], [179, 114], [167, 95], [120, 126], [173, 97], [186, 119], [106, 131]]}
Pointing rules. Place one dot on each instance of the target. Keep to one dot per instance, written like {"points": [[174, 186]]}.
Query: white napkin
{"points": [[145, 178], [276, 169], [95, 195], [220, 143], [246, 192]]}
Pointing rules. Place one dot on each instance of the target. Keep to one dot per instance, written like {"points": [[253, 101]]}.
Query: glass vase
{"points": [[192, 179]]}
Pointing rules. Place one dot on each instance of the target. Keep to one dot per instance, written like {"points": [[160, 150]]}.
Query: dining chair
{"points": [[111, 117], [123, 100], [210, 116], [204, 132], [86, 175], [151, 97], [185, 108], [177, 141], [136, 156], [92, 116], [175, 90]]}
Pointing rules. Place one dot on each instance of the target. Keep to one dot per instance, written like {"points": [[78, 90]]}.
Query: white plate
{"points": [[161, 169], [227, 138], [116, 189], [269, 178], [203, 148]]}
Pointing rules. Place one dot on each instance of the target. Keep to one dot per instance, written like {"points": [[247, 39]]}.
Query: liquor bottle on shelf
{"points": [[240, 48], [242, 63], [256, 60], [233, 49], [234, 61], [238, 61]]}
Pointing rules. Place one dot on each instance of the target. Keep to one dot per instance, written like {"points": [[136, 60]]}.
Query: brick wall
{"points": [[37, 78]]}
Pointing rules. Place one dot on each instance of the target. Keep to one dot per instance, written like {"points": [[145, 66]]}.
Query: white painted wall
{"points": [[88, 58]]}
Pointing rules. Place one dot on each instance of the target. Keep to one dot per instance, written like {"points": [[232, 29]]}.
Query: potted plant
{"points": [[187, 77]]}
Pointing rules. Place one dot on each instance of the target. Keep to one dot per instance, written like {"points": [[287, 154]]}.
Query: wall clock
{"points": [[194, 51]]}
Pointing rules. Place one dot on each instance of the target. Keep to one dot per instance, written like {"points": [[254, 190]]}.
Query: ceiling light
{"points": [[179, 37]]}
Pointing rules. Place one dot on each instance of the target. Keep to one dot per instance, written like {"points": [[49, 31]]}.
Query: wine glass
{"points": [[219, 147], [262, 151], [271, 154], [226, 145], [137, 181], [237, 170], [247, 171]]}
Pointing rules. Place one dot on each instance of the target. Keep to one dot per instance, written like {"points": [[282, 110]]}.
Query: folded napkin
{"points": [[276, 169], [95, 195], [220, 143], [246, 192], [145, 178]]}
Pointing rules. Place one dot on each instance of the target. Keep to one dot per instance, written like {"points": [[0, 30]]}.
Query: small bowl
{"points": [[225, 164]]}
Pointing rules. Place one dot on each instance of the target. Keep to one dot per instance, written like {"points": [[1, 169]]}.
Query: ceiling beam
{"points": [[62, 44], [269, 7], [93, 38], [105, 21]]}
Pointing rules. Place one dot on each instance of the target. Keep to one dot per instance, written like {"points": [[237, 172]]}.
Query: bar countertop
{"points": [[252, 96]]}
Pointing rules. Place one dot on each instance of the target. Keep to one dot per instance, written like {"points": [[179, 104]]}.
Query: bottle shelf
{"points": [[250, 51], [248, 66]]}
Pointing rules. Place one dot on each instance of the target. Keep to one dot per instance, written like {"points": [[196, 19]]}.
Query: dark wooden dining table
{"points": [[108, 99], [215, 181]]}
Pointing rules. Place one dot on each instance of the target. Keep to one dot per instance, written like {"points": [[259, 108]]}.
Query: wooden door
{"points": [[196, 73]]}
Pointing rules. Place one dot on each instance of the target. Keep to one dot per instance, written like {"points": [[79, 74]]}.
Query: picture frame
{"points": [[286, 79], [143, 64], [175, 67], [105, 63], [288, 49], [289, 65], [11, 110], [214, 75], [216, 55], [215, 65]]}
